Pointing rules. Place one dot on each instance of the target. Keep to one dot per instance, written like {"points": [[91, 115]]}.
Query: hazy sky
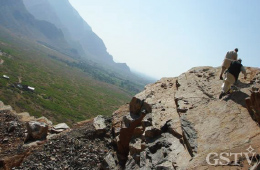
{"points": [[164, 38]]}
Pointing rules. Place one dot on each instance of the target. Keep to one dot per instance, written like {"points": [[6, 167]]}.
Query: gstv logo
{"points": [[223, 158]]}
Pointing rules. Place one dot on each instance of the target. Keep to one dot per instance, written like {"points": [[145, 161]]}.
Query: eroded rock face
{"points": [[188, 122]]}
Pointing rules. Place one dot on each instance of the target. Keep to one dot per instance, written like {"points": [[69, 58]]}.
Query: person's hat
{"points": [[236, 49], [239, 59]]}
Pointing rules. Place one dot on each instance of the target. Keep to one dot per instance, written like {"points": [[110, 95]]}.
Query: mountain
{"points": [[175, 123], [43, 10], [76, 30], [81, 37], [15, 17]]}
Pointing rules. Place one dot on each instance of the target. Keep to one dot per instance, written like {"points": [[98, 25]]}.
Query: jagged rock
{"points": [[117, 118], [129, 123], [59, 128], [110, 162], [36, 130], [100, 124]]}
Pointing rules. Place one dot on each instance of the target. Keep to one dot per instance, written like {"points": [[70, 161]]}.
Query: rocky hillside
{"points": [[179, 123], [30, 143], [175, 123]]}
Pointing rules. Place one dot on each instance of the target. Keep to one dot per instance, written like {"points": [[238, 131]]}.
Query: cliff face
{"points": [[179, 123]]}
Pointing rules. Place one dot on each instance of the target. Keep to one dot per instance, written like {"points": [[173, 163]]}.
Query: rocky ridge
{"points": [[187, 123], [175, 123]]}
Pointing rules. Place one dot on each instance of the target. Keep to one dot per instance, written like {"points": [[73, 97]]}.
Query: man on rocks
{"points": [[231, 76], [230, 56]]}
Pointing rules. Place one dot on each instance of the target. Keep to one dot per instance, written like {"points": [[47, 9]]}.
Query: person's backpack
{"points": [[235, 68]]}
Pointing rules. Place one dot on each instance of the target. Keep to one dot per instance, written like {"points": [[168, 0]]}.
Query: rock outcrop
{"points": [[187, 126], [128, 126]]}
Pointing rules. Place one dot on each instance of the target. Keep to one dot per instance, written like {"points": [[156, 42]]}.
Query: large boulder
{"points": [[100, 125], [36, 130]]}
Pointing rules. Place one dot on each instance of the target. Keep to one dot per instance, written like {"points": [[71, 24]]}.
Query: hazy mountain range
{"points": [[15, 18], [57, 25], [76, 31]]}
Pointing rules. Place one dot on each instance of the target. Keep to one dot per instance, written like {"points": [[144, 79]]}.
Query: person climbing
{"points": [[232, 76], [230, 56]]}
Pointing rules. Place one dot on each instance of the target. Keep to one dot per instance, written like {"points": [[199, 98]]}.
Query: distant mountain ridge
{"points": [[76, 31], [15, 17], [56, 25]]}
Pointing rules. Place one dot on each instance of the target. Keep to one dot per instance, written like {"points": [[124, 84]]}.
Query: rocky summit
{"points": [[180, 123], [175, 123]]}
